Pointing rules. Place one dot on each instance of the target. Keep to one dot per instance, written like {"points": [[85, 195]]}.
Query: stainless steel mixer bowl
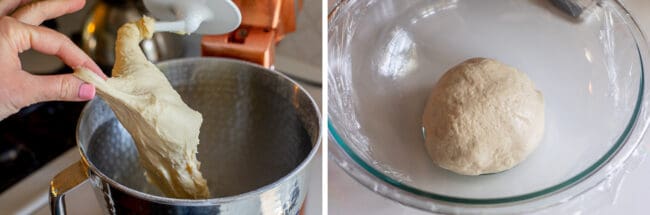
{"points": [[259, 134], [100, 32]]}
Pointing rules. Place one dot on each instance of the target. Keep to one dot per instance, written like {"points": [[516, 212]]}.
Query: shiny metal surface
{"points": [[260, 131], [100, 31], [63, 182]]}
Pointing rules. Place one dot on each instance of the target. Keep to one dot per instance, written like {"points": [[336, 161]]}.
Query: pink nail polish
{"points": [[86, 91]]}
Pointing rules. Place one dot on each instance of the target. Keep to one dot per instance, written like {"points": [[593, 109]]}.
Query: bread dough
{"points": [[165, 130], [482, 117]]}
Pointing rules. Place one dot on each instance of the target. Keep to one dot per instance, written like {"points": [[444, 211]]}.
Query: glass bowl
{"points": [[385, 57]]}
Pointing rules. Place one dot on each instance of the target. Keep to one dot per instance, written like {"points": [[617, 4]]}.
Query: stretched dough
{"points": [[165, 130], [482, 117]]}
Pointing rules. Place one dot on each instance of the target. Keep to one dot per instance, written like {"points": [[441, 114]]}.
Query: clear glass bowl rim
{"points": [[371, 173]]}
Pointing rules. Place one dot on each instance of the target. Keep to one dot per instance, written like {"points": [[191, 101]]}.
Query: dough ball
{"points": [[482, 117]]}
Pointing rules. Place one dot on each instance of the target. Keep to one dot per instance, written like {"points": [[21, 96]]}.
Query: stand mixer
{"points": [[242, 110], [263, 24]]}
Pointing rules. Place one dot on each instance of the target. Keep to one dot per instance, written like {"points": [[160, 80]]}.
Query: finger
{"points": [[7, 6], [36, 12], [50, 42], [59, 88]]}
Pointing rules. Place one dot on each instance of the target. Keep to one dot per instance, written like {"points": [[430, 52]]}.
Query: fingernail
{"points": [[86, 91]]}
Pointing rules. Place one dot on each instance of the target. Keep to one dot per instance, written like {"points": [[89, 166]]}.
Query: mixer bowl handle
{"points": [[68, 179]]}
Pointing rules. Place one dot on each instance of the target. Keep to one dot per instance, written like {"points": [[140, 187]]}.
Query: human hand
{"points": [[19, 31]]}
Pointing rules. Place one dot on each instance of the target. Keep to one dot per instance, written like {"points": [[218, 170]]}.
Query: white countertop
{"points": [[347, 196]]}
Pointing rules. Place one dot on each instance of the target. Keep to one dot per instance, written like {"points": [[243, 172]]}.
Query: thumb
{"points": [[60, 88]]}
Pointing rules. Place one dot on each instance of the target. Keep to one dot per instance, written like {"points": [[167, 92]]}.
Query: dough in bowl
{"points": [[165, 130], [482, 117]]}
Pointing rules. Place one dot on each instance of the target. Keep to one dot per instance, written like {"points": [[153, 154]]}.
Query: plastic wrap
{"points": [[606, 192], [382, 59]]}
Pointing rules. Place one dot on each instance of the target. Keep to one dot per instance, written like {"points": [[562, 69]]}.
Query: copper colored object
{"points": [[302, 208], [264, 23]]}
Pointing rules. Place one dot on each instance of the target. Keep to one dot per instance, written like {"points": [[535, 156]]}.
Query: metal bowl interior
{"points": [[259, 129], [385, 56]]}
